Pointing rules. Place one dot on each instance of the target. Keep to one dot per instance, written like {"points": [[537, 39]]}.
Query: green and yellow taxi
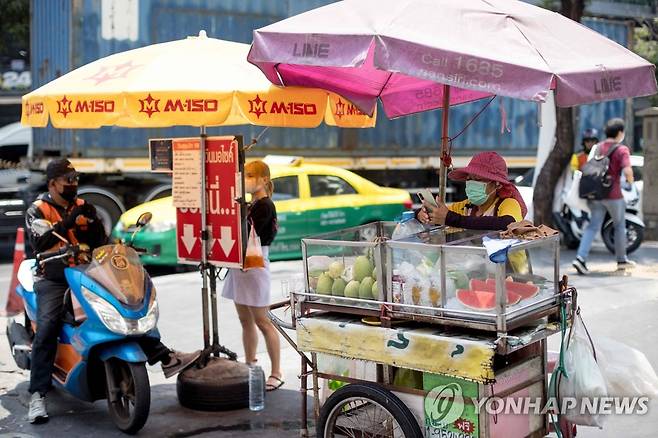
{"points": [[310, 199]]}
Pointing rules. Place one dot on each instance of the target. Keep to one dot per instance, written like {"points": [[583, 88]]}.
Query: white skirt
{"points": [[249, 288]]}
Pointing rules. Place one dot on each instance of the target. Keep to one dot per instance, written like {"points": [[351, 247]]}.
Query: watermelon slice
{"points": [[525, 290], [483, 299], [476, 284], [490, 286]]}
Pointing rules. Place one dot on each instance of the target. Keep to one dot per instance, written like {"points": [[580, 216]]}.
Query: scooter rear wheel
{"points": [[133, 395], [634, 236]]}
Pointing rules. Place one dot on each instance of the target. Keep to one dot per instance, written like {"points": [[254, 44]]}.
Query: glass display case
{"points": [[446, 274], [442, 276], [345, 267]]}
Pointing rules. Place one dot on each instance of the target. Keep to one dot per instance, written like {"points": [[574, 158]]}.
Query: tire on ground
{"points": [[220, 386]]}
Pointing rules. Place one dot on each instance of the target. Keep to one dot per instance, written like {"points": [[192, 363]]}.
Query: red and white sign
{"points": [[224, 215]]}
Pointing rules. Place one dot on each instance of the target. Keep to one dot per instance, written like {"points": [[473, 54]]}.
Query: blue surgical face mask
{"points": [[476, 191]]}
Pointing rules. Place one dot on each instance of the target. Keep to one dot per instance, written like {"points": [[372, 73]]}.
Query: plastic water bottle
{"points": [[256, 388], [408, 226]]}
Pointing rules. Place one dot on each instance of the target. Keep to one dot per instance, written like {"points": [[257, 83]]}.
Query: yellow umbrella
{"points": [[197, 81]]}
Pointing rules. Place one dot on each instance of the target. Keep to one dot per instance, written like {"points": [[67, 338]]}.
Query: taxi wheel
{"points": [[221, 385]]}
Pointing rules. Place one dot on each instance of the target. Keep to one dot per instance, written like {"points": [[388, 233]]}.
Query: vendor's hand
{"points": [[422, 216], [437, 214]]}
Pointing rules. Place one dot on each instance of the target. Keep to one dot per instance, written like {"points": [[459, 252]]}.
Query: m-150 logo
{"points": [[259, 106], [151, 105], [347, 109], [33, 108], [67, 106]]}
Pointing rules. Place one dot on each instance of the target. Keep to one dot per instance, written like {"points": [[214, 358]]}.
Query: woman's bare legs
{"points": [[249, 332], [272, 340]]}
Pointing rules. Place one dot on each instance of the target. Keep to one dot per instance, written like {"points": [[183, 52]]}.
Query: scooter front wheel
{"points": [[128, 394]]}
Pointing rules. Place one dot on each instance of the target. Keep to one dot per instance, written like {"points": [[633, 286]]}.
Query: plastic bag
{"points": [[254, 254], [583, 379], [626, 371], [572, 198]]}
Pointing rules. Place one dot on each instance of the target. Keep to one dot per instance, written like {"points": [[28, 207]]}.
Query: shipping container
{"points": [[69, 33], [66, 34]]}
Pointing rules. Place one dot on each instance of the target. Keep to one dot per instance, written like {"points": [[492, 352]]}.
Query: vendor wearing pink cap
{"points": [[493, 201]]}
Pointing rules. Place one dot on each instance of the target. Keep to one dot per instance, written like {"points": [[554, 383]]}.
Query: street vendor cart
{"points": [[425, 335]]}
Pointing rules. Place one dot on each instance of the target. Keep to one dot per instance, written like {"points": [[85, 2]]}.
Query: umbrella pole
{"points": [[445, 117], [204, 242]]}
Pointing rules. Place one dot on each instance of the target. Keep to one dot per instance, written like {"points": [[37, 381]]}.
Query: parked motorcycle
{"points": [[572, 222], [110, 304]]}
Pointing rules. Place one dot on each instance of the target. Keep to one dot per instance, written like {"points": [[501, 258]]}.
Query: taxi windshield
{"points": [[118, 269]]}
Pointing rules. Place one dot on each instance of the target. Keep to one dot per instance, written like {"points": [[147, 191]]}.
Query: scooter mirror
{"points": [[41, 226], [144, 219]]}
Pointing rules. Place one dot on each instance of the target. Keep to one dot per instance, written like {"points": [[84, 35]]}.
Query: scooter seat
{"points": [[26, 273]]}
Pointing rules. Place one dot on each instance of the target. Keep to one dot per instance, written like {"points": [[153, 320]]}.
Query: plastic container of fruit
{"points": [[445, 276]]}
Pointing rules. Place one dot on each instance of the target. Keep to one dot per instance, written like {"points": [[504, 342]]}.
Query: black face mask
{"points": [[69, 192]]}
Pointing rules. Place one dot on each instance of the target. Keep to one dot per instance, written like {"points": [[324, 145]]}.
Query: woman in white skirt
{"points": [[250, 290]]}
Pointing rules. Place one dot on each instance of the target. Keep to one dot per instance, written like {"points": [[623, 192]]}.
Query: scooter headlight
{"points": [[151, 319], [112, 319]]}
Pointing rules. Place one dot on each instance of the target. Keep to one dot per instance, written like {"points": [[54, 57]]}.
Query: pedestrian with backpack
{"points": [[601, 185]]}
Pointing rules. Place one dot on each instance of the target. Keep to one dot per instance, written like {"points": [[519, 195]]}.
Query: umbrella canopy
{"points": [[399, 50], [197, 81]]}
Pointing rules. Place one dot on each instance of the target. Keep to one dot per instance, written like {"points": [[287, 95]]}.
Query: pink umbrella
{"points": [[420, 55]]}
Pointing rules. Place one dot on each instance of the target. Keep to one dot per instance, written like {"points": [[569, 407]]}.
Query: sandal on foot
{"points": [[273, 386]]}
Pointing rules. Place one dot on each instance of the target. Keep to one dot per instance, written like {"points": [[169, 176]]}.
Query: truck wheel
{"points": [[366, 409], [221, 385], [107, 209], [161, 191]]}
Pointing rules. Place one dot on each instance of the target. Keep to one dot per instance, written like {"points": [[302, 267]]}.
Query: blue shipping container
{"points": [[69, 33]]}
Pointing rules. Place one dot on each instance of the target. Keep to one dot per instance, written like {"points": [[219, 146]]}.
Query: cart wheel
{"points": [[366, 409]]}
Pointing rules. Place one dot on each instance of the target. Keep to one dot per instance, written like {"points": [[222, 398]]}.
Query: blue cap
{"points": [[408, 215]]}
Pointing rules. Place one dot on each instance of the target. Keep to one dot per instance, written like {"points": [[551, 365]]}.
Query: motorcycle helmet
{"points": [[591, 134]]}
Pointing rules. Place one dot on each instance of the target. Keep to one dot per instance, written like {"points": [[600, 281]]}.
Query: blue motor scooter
{"points": [[111, 304]]}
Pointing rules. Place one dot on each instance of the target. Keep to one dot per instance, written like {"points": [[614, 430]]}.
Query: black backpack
{"points": [[596, 182]]}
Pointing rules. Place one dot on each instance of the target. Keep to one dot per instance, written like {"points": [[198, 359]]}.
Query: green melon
{"points": [[365, 290], [352, 289], [325, 283], [375, 291], [362, 268], [338, 289], [336, 269]]}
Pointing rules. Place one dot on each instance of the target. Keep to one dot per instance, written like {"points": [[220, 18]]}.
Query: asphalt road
{"points": [[620, 307]]}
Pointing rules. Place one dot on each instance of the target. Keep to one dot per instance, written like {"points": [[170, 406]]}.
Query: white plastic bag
{"points": [[254, 253], [626, 371], [573, 199], [583, 379]]}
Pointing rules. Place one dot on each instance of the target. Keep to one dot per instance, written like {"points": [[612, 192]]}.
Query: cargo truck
{"points": [[66, 34]]}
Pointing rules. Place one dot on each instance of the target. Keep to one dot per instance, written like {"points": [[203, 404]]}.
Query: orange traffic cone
{"points": [[14, 302]]}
